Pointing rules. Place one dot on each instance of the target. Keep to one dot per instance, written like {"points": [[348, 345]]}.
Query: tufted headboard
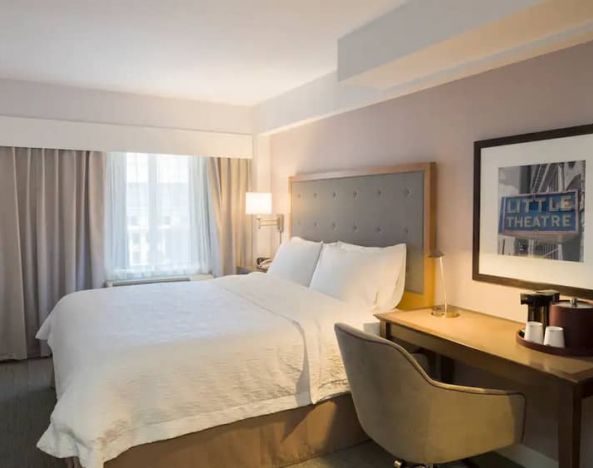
{"points": [[375, 207]]}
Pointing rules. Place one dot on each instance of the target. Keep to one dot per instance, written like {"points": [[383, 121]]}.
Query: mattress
{"points": [[139, 364]]}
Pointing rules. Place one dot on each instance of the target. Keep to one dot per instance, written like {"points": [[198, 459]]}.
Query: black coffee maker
{"points": [[538, 305]]}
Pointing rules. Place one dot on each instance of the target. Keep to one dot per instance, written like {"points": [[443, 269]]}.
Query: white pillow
{"points": [[348, 275], [295, 260], [300, 239], [392, 261]]}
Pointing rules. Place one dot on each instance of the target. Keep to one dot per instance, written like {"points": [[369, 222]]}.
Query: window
{"points": [[157, 215]]}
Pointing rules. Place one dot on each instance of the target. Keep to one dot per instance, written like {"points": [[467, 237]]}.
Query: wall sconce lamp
{"points": [[260, 203], [442, 310]]}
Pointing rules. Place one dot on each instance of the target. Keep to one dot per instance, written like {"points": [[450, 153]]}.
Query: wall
{"points": [[49, 101], [264, 239], [36, 114], [441, 124]]}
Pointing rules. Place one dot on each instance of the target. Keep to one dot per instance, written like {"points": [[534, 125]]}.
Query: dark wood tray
{"points": [[551, 349]]}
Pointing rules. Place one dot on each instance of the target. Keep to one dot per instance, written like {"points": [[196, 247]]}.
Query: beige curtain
{"points": [[230, 229], [51, 237]]}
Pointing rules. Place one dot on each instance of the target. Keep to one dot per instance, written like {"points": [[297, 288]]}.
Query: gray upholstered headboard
{"points": [[376, 207]]}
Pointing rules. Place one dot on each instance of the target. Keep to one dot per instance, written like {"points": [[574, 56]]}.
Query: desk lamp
{"points": [[442, 310]]}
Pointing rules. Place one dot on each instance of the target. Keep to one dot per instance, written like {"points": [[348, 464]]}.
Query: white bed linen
{"points": [[139, 364]]}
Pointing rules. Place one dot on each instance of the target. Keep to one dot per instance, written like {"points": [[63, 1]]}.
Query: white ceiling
{"points": [[232, 51]]}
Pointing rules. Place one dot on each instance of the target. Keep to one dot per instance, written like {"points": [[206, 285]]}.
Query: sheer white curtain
{"points": [[156, 216]]}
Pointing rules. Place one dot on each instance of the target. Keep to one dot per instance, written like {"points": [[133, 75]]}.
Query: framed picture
{"points": [[533, 198]]}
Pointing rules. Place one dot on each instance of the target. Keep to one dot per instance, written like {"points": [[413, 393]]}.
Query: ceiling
{"points": [[231, 51]]}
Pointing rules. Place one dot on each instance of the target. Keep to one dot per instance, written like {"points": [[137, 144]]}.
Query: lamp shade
{"points": [[258, 203]]}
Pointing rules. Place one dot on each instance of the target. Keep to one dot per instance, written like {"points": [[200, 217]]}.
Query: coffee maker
{"points": [[538, 305], [576, 319]]}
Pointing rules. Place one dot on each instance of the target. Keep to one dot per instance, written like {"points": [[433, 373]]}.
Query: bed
{"points": [[249, 373]]}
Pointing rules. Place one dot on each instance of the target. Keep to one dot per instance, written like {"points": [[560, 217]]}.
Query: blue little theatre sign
{"points": [[538, 215]]}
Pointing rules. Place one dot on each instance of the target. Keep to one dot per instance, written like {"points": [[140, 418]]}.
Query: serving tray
{"points": [[552, 349]]}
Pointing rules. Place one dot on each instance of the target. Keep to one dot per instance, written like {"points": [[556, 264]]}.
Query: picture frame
{"points": [[533, 200]]}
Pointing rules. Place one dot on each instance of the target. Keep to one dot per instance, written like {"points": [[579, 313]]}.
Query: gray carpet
{"points": [[26, 401]]}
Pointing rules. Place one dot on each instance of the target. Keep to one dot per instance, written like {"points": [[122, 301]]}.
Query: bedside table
{"points": [[245, 270]]}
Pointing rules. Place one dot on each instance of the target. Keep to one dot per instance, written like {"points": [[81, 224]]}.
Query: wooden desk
{"points": [[488, 342]]}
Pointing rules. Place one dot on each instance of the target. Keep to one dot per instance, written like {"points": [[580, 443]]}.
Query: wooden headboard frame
{"points": [[412, 299]]}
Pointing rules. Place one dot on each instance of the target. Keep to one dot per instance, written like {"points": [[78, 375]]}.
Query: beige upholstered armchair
{"points": [[418, 419]]}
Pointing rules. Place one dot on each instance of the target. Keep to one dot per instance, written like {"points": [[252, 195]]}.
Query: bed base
{"points": [[273, 440]]}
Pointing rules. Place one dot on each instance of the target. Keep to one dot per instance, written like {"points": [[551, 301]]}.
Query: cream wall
{"points": [[56, 102], [49, 115], [441, 124], [264, 239]]}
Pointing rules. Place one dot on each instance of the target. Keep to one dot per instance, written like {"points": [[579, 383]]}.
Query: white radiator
{"points": [[157, 279]]}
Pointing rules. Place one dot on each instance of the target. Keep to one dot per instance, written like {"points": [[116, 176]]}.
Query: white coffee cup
{"points": [[554, 337], [534, 332]]}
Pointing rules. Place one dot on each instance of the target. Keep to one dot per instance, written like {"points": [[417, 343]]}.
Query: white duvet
{"points": [[139, 364]]}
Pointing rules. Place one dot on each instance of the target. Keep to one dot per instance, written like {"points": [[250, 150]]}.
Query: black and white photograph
{"points": [[542, 210], [532, 201]]}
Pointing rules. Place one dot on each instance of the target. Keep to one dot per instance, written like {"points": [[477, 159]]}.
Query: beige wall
{"points": [[441, 124], [57, 116]]}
